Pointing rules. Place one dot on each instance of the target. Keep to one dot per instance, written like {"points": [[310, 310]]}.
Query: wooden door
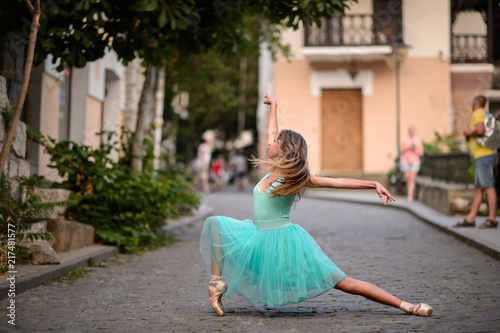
{"points": [[341, 131]]}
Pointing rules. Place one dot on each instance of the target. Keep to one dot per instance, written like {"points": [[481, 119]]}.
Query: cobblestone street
{"points": [[166, 290]]}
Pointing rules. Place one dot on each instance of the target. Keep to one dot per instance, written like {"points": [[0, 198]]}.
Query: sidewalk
{"points": [[32, 276], [203, 211], [485, 240]]}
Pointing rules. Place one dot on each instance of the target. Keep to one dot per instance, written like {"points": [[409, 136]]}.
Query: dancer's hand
{"points": [[384, 195], [270, 100]]}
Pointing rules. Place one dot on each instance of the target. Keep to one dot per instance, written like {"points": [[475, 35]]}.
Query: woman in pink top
{"points": [[411, 150]]}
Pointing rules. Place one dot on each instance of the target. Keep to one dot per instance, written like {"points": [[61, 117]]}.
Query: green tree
{"points": [[214, 92], [79, 31]]}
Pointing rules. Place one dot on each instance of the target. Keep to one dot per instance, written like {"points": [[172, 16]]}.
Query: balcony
{"points": [[347, 37], [469, 49], [495, 80], [349, 30]]}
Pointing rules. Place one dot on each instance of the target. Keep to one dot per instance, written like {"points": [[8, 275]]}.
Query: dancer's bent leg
{"points": [[216, 245], [216, 287], [378, 295]]}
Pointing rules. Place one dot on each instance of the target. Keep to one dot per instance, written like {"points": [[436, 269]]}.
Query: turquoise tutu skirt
{"points": [[267, 267]]}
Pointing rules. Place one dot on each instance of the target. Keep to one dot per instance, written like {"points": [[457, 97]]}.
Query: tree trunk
{"points": [[136, 160], [158, 117], [35, 11], [242, 97]]}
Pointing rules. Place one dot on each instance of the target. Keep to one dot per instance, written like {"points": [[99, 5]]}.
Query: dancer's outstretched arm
{"points": [[272, 124], [347, 183]]}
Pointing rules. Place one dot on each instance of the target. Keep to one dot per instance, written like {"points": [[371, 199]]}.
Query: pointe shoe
{"points": [[421, 309], [215, 291]]}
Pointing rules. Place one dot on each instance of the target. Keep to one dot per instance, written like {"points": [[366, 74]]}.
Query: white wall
{"points": [[469, 23], [97, 76], [78, 108], [362, 7], [426, 27]]}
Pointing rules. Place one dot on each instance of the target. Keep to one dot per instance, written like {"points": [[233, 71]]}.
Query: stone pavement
{"points": [[486, 240], [166, 290]]}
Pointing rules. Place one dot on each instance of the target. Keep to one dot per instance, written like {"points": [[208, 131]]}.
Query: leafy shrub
{"points": [[131, 210], [16, 218], [128, 208], [444, 143]]}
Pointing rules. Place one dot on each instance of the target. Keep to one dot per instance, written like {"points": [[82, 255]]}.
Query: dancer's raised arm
{"points": [[272, 124], [347, 183]]}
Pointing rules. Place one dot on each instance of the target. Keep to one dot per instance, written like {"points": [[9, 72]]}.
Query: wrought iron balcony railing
{"points": [[469, 48], [349, 30], [495, 80]]}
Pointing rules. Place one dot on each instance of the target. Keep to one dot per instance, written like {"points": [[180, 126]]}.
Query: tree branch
{"points": [[291, 5], [53, 150], [30, 6]]}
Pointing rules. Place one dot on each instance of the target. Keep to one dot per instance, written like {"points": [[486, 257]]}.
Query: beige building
{"points": [[78, 103], [340, 87]]}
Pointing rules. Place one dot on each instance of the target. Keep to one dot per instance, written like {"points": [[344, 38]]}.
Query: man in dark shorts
{"points": [[484, 160]]}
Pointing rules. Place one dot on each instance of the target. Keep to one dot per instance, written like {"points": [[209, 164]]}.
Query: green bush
{"points": [[131, 210], [443, 143], [16, 219], [128, 208]]}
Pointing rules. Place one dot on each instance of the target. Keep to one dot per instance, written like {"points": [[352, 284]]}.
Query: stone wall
{"points": [[68, 235], [12, 59], [448, 198], [16, 167]]}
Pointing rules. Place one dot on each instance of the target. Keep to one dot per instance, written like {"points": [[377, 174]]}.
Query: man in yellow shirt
{"points": [[484, 161]]}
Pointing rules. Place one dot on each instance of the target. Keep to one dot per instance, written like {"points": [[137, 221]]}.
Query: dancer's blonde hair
{"points": [[290, 163]]}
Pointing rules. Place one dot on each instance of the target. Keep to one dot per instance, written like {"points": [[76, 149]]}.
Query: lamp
{"points": [[353, 69], [399, 53], [393, 61]]}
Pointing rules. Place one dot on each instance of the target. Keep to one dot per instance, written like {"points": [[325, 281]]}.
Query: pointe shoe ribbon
{"points": [[215, 291], [421, 309]]}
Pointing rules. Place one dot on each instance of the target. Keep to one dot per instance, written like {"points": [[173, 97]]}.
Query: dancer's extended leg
{"points": [[376, 294]]}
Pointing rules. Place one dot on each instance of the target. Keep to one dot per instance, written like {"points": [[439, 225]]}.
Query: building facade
{"points": [[352, 84], [78, 103]]}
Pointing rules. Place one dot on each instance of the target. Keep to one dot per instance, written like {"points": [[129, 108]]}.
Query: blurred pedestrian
{"points": [[239, 166], [194, 166], [484, 161], [411, 151], [217, 172], [204, 157]]}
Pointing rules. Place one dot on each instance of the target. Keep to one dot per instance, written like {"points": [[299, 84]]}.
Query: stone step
{"points": [[70, 235]]}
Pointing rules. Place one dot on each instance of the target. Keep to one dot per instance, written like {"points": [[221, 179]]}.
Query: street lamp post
{"points": [[394, 60], [400, 51]]}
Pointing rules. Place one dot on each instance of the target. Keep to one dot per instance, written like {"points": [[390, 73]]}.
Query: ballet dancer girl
{"points": [[274, 262]]}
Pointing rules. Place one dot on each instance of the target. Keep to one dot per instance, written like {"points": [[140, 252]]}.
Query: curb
{"points": [[487, 249], [32, 276], [203, 212]]}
